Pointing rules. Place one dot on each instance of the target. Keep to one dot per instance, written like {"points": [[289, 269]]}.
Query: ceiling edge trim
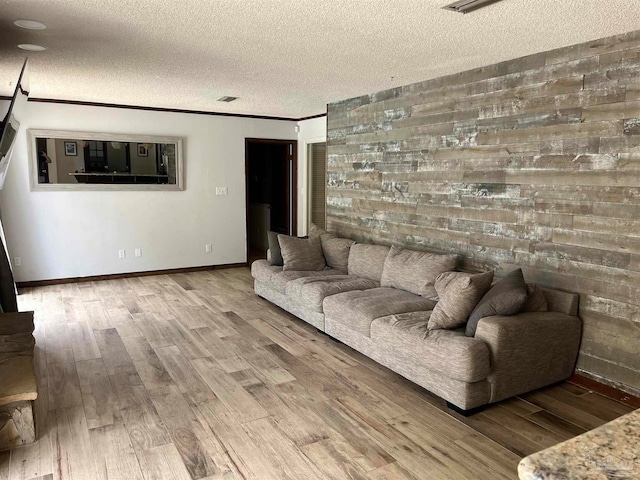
{"points": [[166, 110], [320, 115]]}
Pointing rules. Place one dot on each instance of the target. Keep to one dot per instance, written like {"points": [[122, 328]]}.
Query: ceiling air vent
{"points": [[227, 99], [466, 6]]}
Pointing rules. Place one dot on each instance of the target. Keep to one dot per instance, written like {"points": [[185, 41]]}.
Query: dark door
{"points": [[271, 172]]}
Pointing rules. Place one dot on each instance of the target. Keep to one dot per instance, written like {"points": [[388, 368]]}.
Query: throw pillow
{"points": [[458, 294], [415, 271], [301, 254], [536, 301], [336, 251], [506, 297], [274, 249]]}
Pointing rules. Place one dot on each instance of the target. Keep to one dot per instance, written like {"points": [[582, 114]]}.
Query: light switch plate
{"points": [[221, 190]]}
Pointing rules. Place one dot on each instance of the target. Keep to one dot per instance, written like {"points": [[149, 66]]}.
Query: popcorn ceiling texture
{"points": [[533, 162], [281, 57]]}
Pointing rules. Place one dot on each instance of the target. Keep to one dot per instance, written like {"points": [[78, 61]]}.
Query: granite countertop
{"points": [[609, 452]]}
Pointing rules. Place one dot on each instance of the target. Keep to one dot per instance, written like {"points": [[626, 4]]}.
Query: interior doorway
{"points": [[271, 172]]}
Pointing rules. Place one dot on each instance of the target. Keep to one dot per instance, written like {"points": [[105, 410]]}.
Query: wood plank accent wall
{"points": [[532, 162]]}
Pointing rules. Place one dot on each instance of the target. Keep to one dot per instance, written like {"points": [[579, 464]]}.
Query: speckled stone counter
{"points": [[611, 451]]}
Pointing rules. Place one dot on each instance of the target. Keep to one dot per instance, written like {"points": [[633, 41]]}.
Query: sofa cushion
{"points": [[458, 294], [315, 231], [309, 292], [367, 261], [505, 298], [336, 251], [536, 301], [358, 309], [275, 255], [301, 254], [280, 280], [406, 338], [262, 270], [414, 271]]}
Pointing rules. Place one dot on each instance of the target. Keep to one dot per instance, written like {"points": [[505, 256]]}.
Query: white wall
{"points": [[66, 164], [311, 131], [74, 234], [143, 164]]}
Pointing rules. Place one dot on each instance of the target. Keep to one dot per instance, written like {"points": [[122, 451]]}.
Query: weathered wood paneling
{"points": [[532, 162]]}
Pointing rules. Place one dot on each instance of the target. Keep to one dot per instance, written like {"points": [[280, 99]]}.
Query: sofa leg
{"points": [[465, 413]]}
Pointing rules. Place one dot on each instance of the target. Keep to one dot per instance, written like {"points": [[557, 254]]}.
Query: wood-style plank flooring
{"points": [[192, 376]]}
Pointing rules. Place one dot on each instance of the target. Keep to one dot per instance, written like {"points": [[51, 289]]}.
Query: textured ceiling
{"points": [[281, 57]]}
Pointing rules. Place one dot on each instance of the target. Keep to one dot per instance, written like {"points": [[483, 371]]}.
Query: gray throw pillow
{"points": [[336, 251], [301, 254], [274, 248], [458, 294], [505, 298]]}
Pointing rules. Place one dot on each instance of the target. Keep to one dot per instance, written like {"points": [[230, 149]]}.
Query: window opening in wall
{"points": [[95, 159]]}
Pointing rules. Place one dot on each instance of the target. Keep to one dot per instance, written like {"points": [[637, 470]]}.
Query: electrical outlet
{"points": [[207, 248], [122, 253], [138, 252], [221, 191], [17, 261]]}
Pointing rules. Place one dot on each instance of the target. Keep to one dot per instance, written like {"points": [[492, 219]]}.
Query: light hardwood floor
{"points": [[194, 376]]}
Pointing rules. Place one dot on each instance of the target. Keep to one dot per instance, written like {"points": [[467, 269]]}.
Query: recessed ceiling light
{"points": [[32, 48], [227, 99], [30, 24]]}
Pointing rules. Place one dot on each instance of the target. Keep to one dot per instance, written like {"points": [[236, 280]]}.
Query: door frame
{"points": [[292, 184]]}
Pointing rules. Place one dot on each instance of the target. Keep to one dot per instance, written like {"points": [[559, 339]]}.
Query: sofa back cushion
{"points": [[301, 254], [559, 301], [315, 231], [414, 271], [505, 298], [367, 261], [536, 301], [336, 251]]}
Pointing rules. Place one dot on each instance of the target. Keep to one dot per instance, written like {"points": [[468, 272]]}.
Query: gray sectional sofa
{"points": [[382, 308]]}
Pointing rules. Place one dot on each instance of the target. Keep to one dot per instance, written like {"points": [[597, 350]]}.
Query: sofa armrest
{"points": [[529, 350]]}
